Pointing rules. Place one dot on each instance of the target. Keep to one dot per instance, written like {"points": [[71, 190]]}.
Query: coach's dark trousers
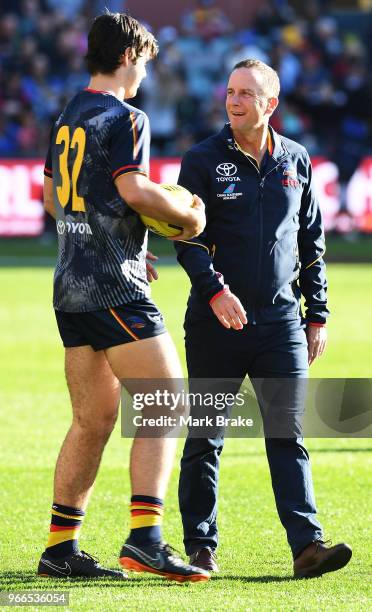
{"points": [[277, 350]]}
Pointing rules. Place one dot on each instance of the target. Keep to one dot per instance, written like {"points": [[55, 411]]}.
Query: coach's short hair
{"points": [[271, 82], [108, 38]]}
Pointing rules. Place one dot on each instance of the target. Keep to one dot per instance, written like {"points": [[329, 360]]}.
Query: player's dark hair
{"points": [[108, 38]]}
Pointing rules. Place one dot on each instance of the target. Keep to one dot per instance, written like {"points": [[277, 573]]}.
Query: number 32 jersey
{"points": [[101, 241]]}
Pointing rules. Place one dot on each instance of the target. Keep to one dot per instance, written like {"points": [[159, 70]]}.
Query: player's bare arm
{"points": [[198, 205], [48, 196], [147, 198]]}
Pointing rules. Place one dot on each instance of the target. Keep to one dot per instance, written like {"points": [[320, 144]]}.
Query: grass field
{"points": [[254, 557], [40, 251]]}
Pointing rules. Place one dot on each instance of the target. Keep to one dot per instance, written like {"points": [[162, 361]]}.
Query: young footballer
{"points": [[96, 184]]}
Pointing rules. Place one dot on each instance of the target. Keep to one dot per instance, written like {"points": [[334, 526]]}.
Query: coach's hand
{"points": [[316, 342], [195, 223], [150, 270], [229, 310]]}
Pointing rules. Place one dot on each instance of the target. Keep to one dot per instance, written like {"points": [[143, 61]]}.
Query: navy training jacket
{"points": [[264, 231]]}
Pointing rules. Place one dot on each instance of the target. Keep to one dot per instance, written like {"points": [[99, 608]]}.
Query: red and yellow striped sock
{"points": [[64, 531], [146, 518]]}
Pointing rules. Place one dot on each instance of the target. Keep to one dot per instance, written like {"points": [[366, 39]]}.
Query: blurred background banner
{"points": [[321, 50], [22, 213]]}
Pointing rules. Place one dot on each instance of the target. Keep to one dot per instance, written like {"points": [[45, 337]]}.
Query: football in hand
{"points": [[163, 228]]}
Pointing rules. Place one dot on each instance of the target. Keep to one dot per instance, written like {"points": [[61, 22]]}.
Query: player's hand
{"points": [[316, 342], [150, 270], [229, 310], [195, 223]]}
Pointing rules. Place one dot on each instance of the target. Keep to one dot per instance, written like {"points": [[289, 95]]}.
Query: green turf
{"points": [[353, 248], [255, 561]]}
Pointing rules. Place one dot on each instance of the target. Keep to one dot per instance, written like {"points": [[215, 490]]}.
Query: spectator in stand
{"points": [[13, 100], [48, 24], [245, 45], [314, 76], [76, 78], [288, 66], [207, 20], [30, 15], [41, 88], [70, 41], [171, 55], [327, 40], [164, 90], [27, 133], [9, 39], [68, 8], [8, 137], [189, 118]]}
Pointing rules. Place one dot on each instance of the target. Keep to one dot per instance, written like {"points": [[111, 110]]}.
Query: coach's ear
{"points": [[272, 104]]}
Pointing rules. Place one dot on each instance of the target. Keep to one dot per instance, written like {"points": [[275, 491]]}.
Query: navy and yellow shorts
{"points": [[102, 329]]}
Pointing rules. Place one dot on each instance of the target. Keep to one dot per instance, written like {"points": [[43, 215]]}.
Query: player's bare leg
{"points": [[94, 391], [153, 358], [95, 395], [151, 462]]}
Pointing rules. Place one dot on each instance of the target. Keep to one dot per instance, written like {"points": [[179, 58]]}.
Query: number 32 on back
{"points": [[78, 141]]}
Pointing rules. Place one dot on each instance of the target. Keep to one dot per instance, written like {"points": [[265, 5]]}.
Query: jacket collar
{"points": [[279, 149]]}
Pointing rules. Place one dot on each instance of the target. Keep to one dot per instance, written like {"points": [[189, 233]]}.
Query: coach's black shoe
{"points": [[205, 558], [317, 559], [160, 559], [77, 565]]}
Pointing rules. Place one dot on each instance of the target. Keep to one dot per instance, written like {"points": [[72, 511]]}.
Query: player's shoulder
{"points": [[125, 118], [88, 101], [134, 113], [70, 108], [75, 100]]}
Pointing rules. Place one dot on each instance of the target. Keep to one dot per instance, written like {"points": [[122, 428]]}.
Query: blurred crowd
{"points": [[326, 96]]}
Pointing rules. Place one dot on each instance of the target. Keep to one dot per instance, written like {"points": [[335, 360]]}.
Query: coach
{"points": [[261, 250]]}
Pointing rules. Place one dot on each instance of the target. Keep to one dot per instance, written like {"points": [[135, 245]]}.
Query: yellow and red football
{"points": [[162, 228]]}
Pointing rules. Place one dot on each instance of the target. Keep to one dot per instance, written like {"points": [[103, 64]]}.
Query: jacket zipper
{"points": [[260, 235], [253, 319], [260, 238]]}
